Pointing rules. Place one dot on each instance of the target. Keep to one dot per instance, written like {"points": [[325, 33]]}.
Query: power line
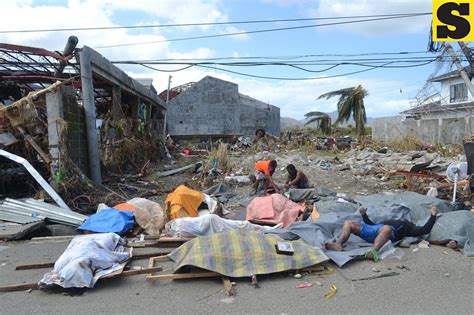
{"points": [[203, 23], [291, 57], [387, 64], [320, 62], [263, 31]]}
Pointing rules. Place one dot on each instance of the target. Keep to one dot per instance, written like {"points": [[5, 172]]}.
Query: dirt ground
{"points": [[436, 280]]}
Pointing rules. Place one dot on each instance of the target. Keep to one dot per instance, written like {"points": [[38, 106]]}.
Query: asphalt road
{"points": [[437, 281]]}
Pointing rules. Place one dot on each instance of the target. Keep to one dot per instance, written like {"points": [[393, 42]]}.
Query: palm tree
{"points": [[351, 103], [322, 119]]}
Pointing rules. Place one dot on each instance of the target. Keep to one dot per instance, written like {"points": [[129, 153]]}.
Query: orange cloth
{"points": [[125, 207], [183, 202], [263, 166]]}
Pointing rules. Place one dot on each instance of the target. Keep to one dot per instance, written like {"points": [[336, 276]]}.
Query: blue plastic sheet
{"points": [[109, 220]]}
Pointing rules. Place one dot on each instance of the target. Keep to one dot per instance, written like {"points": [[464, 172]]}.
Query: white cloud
{"points": [[24, 15], [287, 3], [328, 8], [295, 98], [232, 29]]}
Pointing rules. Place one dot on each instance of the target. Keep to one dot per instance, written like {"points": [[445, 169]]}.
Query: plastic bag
{"points": [[149, 215]]}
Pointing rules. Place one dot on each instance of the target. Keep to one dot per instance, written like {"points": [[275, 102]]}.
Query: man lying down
{"points": [[381, 233]]}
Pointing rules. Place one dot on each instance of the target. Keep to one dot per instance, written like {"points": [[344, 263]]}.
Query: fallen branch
{"points": [[382, 275]]}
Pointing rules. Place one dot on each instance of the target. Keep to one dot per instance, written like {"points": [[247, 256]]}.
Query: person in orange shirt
{"points": [[264, 170]]}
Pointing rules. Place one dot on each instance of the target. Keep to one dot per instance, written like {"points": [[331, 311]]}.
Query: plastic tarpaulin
{"points": [[329, 226], [273, 209], [241, 253], [458, 226], [109, 220], [207, 225], [407, 205], [149, 215], [86, 260], [183, 202]]}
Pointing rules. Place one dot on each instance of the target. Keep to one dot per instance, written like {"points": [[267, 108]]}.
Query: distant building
{"points": [[445, 117], [214, 107], [453, 101]]}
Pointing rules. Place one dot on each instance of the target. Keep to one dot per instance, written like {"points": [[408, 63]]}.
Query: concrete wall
{"points": [[207, 108], [255, 115], [62, 107], [446, 130], [214, 107]]}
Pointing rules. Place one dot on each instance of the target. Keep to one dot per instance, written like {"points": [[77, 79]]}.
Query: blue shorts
{"points": [[369, 232]]}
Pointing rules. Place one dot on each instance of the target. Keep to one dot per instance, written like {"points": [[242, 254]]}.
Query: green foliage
{"points": [[322, 120], [350, 104]]}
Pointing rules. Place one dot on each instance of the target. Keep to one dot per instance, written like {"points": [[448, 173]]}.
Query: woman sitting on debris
{"points": [[296, 178]]}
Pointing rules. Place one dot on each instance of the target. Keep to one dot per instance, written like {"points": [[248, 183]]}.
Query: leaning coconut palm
{"points": [[322, 120], [351, 103]]}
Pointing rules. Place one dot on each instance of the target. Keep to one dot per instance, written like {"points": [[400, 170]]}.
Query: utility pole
{"points": [[463, 73], [167, 101], [468, 53]]}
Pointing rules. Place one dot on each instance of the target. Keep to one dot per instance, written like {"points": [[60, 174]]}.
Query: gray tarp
{"points": [[458, 226], [406, 205], [310, 195]]}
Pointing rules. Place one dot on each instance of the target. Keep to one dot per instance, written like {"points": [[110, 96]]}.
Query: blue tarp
{"points": [[109, 220]]}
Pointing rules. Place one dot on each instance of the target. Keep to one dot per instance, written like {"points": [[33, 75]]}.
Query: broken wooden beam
{"points": [[190, 275], [50, 264], [382, 275], [19, 287], [34, 286], [178, 170]]}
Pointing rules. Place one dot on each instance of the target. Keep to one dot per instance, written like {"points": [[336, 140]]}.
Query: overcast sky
{"points": [[390, 90]]}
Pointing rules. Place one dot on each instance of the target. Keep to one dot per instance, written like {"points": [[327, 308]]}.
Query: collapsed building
{"points": [[74, 111], [214, 107]]}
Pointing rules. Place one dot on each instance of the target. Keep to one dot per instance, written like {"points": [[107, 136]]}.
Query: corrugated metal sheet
{"points": [[22, 210], [22, 219]]}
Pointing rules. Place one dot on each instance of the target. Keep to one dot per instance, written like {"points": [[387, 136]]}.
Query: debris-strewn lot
{"points": [[442, 275]]}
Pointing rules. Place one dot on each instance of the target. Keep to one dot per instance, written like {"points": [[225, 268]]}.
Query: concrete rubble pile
{"points": [[371, 162]]}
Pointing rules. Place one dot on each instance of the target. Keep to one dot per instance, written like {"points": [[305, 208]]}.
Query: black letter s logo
{"points": [[461, 24]]}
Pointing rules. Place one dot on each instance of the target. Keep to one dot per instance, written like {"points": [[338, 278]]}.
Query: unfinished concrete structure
{"points": [[96, 97], [214, 107]]}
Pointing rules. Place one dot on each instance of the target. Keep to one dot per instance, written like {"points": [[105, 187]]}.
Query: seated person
{"points": [[296, 178], [379, 234], [264, 170]]}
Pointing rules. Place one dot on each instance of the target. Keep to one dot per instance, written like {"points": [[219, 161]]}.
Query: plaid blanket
{"points": [[240, 253]]}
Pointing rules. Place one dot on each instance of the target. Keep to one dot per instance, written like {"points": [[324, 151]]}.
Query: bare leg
{"points": [[384, 235], [348, 228]]}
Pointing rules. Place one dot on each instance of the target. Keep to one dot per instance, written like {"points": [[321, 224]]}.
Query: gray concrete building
{"points": [[214, 107]]}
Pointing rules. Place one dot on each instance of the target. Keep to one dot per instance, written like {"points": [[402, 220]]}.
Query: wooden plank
{"points": [[129, 273], [35, 266], [54, 238], [34, 286], [19, 287], [229, 289], [178, 170], [160, 258], [167, 239], [191, 275], [50, 264]]}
